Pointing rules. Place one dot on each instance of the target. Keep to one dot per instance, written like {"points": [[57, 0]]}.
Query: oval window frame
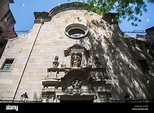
{"points": [[76, 26]]}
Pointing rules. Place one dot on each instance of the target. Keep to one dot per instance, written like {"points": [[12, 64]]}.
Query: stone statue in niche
{"points": [[55, 62], [76, 60]]}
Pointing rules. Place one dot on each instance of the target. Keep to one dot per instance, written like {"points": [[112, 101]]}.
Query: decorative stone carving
{"points": [[76, 48], [76, 60], [55, 62], [77, 84], [63, 65], [41, 17], [79, 55], [75, 87]]}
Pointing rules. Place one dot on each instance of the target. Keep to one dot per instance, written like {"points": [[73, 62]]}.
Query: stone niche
{"points": [[77, 53]]}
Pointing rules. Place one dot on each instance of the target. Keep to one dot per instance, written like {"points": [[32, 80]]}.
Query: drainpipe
{"points": [[42, 22]]}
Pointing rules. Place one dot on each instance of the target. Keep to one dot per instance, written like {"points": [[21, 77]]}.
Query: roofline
{"points": [[56, 9], [149, 29]]}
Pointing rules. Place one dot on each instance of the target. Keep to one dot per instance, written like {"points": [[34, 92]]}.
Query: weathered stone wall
{"points": [[18, 48]]}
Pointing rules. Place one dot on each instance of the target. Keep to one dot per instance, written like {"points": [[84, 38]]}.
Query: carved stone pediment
{"points": [[76, 48], [74, 80]]}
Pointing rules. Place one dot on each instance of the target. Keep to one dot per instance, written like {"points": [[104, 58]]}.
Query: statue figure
{"points": [[76, 60], [24, 97], [55, 62]]}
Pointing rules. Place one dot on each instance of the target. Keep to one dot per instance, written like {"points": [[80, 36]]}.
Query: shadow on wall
{"points": [[36, 97], [120, 57]]}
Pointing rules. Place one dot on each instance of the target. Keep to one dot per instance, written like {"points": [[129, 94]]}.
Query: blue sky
{"points": [[23, 12]]}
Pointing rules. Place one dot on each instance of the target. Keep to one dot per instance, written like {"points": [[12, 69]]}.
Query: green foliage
{"points": [[125, 9]]}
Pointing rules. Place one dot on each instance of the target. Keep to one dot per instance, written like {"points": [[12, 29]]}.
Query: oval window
{"points": [[76, 31]]}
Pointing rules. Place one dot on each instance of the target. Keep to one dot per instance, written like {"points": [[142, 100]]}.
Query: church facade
{"points": [[72, 54]]}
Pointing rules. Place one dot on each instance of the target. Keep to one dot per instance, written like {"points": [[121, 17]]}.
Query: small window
{"points": [[7, 64], [144, 65]]}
